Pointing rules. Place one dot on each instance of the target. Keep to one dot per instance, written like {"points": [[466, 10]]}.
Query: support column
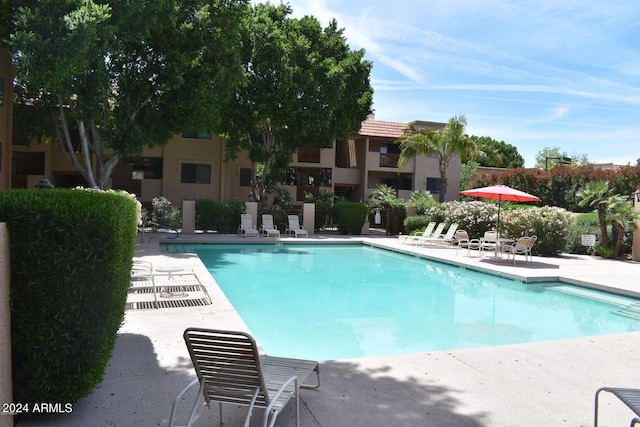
{"points": [[188, 216], [309, 217], [6, 385]]}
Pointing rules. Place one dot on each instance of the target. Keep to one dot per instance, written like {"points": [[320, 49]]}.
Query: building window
{"points": [[195, 174], [433, 185], [245, 177], [389, 149], [197, 134]]}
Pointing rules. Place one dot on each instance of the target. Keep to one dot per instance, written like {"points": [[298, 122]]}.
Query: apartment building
{"points": [[192, 166]]}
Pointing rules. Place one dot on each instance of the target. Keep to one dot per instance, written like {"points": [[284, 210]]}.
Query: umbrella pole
{"points": [[498, 226]]}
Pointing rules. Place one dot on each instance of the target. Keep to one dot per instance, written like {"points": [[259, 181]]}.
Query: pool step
{"points": [[592, 294], [632, 311]]}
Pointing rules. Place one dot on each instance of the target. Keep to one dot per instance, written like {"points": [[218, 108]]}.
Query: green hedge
{"points": [[223, 217], [350, 216], [71, 255]]}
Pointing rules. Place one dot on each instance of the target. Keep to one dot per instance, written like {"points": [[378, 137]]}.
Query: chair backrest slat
{"points": [[229, 362]]}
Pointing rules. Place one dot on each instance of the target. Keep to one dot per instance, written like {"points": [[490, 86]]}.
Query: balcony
{"points": [[309, 155], [389, 160]]}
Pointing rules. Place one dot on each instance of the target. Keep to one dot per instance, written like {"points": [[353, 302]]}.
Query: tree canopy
{"points": [[442, 144], [122, 75], [496, 153], [302, 87], [548, 157]]}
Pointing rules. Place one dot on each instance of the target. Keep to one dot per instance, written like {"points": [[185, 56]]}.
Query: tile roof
{"points": [[378, 128], [382, 129]]}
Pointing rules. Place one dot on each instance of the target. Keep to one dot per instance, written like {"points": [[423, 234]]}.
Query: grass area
{"points": [[590, 217]]}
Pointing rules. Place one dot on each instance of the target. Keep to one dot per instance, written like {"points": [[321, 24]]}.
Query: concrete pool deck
{"points": [[534, 384]]}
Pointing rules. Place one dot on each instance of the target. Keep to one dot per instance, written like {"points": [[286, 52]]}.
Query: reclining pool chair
{"points": [[142, 272], [246, 226], [629, 396], [267, 226], [229, 369], [420, 239], [414, 237], [440, 239], [295, 228]]}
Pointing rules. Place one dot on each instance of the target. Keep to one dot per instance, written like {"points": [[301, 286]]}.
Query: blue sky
{"points": [[534, 74]]}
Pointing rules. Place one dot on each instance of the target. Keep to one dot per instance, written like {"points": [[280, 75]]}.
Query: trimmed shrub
{"points": [[71, 256], [223, 217], [350, 216]]}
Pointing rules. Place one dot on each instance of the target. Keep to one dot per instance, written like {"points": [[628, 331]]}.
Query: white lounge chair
{"points": [[420, 239], [267, 226], [246, 226], [229, 369], [295, 228], [142, 276], [438, 240], [426, 233]]}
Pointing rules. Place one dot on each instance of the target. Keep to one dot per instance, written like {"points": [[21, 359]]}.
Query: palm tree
{"points": [[442, 144], [623, 217], [598, 195]]}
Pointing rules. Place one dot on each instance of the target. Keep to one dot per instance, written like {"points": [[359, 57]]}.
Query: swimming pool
{"points": [[337, 301]]}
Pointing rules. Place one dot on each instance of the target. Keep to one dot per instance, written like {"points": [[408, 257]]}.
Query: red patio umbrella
{"points": [[501, 192]]}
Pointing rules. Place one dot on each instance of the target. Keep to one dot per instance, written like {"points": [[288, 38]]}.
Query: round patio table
{"points": [[170, 270]]}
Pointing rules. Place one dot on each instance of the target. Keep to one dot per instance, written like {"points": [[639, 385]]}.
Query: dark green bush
{"points": [[574, 237], [350, 216], [223, 217], [71, 255]]}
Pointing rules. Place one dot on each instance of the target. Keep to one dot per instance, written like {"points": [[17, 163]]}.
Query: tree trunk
{"points": [[618, 232], [602, 218], [443, 186]]}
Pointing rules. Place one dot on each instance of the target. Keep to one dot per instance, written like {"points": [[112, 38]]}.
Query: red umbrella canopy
{"points": [[501, 192]]}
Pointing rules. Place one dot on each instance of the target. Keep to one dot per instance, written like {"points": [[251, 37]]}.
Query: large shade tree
{"points": [[442, 144], [117, 76], [494, 153], [302, 87]]}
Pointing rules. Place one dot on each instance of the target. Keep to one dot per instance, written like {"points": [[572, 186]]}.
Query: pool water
{"points": [[341, 301]]}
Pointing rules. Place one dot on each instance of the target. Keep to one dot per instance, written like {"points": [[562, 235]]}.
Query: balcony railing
{"points": [[19, 181], [389, 160], [309, 155], [133, 186]]}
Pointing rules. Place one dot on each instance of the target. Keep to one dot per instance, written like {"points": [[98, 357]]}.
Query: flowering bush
{"points": [[165, 213], [141, 213], [550, 224]]}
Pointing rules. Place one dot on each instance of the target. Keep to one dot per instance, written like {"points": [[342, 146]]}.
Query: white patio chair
{"points": [[229, 369]]}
